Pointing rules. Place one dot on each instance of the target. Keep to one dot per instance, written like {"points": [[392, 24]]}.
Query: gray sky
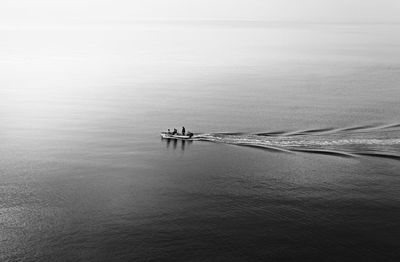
{"points": [[55, 11]]}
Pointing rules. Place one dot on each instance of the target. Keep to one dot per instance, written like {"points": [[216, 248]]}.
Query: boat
{"points": [[177, 136]]}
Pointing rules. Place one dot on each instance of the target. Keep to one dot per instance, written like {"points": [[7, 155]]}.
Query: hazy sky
{"points": [[54, 11]]}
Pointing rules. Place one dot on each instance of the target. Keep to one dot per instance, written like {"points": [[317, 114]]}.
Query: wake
{"points": [[369, 140]]}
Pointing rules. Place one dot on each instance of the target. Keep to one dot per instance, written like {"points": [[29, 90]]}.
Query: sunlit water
{"points": [[85, 175]]}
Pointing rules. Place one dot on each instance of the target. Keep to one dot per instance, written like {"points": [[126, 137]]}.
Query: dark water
{"points": [[295, 158]]}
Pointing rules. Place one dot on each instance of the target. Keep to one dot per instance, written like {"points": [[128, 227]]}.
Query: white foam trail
{"points": [[306, 142]]}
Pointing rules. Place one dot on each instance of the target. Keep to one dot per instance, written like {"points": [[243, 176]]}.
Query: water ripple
{"points": [[363, 140]]}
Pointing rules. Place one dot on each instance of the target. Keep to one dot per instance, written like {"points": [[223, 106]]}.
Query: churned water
{"points": [[295, 155]]}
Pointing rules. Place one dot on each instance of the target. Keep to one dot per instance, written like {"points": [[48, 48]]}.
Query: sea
{"points": [[295, 154]]}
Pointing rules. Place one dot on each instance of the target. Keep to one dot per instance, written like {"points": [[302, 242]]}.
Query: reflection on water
{"points": [[183, 143]]}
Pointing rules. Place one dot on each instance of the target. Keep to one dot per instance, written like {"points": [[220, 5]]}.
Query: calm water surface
{"points": [[296, 156]]}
